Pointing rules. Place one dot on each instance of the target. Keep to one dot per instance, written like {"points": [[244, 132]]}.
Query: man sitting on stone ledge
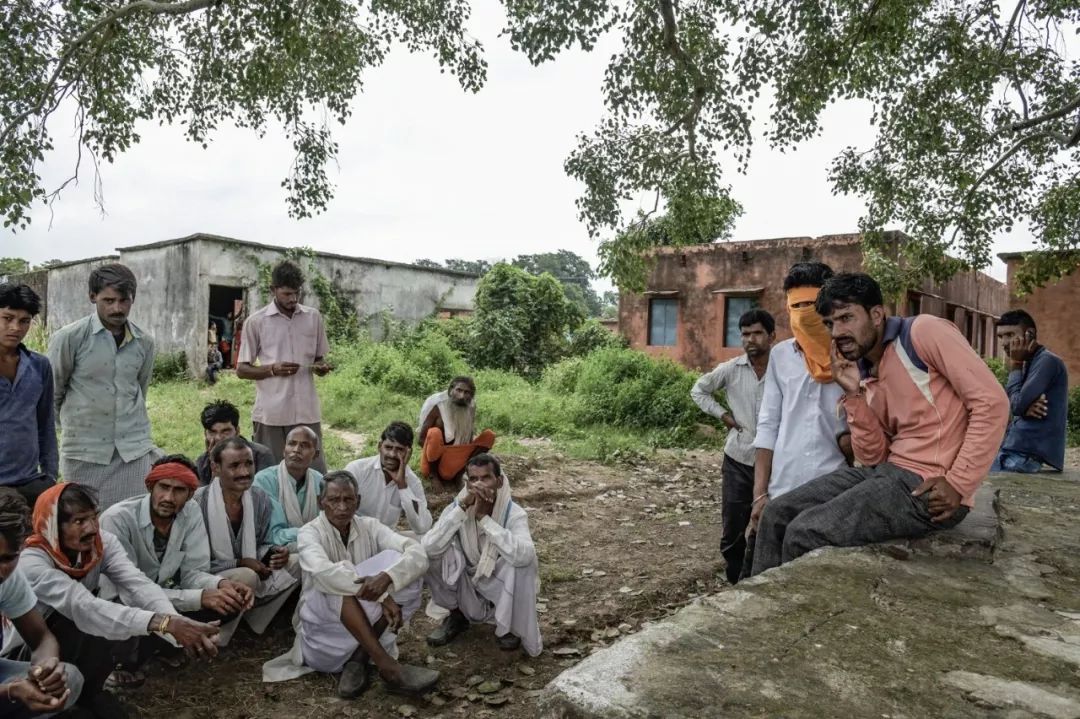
{"points": [[926, 417], [447, 423]]}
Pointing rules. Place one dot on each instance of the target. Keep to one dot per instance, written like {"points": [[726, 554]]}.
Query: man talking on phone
{"points": [[1038, 389], [288, 340]]}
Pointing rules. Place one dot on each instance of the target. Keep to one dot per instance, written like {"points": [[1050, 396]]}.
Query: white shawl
{"points": [[453, 433], [220, 530], [479, 551], [296, 516]]}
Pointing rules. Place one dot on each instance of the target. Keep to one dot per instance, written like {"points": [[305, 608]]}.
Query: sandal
{"points": [[124, 679]]}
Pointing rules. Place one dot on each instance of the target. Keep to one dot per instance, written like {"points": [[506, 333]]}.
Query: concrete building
{"points": [[695, 296], [185, 281], [1052, 308]]}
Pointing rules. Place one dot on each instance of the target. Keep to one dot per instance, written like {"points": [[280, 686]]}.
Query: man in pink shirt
{"points": [[289, 342], [926, 417]]}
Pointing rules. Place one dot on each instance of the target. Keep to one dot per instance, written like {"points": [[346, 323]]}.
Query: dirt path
{"points": [[355, 440], [618, 546]]}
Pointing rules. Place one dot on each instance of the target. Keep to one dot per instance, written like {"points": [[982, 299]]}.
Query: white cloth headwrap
{"points": [[221, 545], [461, 434], [480, 552], [296, 516]]}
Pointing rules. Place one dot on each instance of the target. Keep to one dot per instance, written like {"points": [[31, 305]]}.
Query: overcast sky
{"points": [[426, 170]]}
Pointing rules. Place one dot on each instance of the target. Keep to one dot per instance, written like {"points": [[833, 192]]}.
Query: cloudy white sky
{"points": [[426, 170]]}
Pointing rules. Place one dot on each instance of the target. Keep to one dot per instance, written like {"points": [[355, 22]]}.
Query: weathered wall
{"points": [[167, 301], [1052, 307], [68, 295], [702, 276]]}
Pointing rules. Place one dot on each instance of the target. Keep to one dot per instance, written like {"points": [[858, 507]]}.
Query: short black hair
{"points": [[220, 410], [807, 274], [14, 518], [486, 460], [287, 274], [230, 443], [849, 288], [20, 297], [115, 275], [178, 459], [75, 498], [1012, 317], [339, 476], [463, 379], [758, 316], [399, 432]]}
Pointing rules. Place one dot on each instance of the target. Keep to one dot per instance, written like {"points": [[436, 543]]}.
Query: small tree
{"points": [[522, 322], [13, 265]]}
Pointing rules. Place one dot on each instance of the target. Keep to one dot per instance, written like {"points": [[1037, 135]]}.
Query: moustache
{"points": [[87, 537]]}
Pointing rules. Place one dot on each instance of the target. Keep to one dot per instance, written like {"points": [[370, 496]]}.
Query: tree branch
{"points": [[1060, 112], [1012, 24], [149, 7], [671, 44]]}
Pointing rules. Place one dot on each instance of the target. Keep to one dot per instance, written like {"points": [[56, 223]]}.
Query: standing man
{"points": [[1038, 389], [288, 340], [43, 685], [447, 434], [101, 370], [926, 417], [388, 488], [800, 434], [742, 380], [28, 454]]}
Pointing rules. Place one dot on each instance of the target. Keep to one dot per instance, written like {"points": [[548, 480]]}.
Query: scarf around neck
{"points": [[296, 515], [46, 536], [479, 551]]}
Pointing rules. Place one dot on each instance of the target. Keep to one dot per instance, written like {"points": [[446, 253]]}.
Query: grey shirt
{"points": [[264, 527], [100, 391], [744, 392], [183, 572]]}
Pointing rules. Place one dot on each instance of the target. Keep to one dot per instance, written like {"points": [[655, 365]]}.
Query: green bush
{"points": [[997, 366], [592, 336], [1073, 421], [170, 366]]}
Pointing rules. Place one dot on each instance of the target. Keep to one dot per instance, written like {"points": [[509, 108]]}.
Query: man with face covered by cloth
{"points": [[800, 434], [447, 426]]}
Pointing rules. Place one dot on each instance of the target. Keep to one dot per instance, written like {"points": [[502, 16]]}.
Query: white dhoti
{"points": [[506, 599], [325, 642]]}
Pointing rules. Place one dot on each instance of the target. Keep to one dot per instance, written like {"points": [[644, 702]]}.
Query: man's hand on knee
{"points": [[943, 499]]}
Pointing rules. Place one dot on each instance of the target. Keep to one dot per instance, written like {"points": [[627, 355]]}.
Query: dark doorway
{"points": [[226, 304]]}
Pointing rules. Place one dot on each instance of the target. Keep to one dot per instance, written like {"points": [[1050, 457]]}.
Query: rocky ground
{"points": [[619, 547]]}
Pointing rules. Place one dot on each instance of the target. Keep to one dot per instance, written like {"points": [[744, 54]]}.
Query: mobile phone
{"points": [[269, 553]]}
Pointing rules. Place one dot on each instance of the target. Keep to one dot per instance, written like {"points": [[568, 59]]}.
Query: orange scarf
{"points": [[810, 332], [46, 536]]}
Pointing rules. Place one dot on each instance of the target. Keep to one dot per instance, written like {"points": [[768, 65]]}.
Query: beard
{"points": [[459, 413]]}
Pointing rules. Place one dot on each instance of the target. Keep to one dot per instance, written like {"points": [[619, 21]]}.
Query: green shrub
{"points": [[562, 377], [170, 366], [1073, 422], [592, 336], [997, 366]]}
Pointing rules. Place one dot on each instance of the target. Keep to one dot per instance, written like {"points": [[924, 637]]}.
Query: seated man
{"points": [[65, 559], [388, 487], [1038, 390], [926, 417], [483, 562], [240, 522], [293, 485], [43, 685], [220, 421], [362, 581], [446, 434], [164, 536]]}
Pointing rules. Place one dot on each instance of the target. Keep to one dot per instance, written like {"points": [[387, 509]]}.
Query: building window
{"points": [[663, 315], [734, 308]]}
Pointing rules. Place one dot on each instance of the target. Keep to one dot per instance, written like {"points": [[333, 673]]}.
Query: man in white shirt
{"points": [[800, 433], [742, 380], [65, 559], [388, 488], [483, 562], [43, 685], [164, 536], [362, 582]]}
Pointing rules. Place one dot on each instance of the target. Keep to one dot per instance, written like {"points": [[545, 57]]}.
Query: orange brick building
{"points": [[695, 296]]}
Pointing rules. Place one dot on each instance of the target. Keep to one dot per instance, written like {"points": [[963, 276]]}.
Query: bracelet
{"points": [[759, 498], [164, 624]]}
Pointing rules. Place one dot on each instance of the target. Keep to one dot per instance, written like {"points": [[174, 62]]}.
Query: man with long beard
{"points": [[447, 426]]}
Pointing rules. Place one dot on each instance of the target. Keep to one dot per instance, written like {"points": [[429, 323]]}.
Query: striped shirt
{"points": [[743, 391]]}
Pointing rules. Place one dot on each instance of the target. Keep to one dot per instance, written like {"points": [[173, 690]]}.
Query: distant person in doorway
{"points": [[214, 362]]}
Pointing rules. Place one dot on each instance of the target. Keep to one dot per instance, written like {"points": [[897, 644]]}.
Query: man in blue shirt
{"points": [[1038, 389], [28, 452]]}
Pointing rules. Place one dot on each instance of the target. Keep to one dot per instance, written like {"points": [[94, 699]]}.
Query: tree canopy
{"points": [[976, 103]]}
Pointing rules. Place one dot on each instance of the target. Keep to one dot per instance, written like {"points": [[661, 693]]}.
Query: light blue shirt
{"points": [[267, 480], [799, 421], [16, 596], [184, 570], [100, 391]]}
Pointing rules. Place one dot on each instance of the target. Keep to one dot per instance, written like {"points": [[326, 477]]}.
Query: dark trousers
{"points": [[93, 656], [33, 488], [736, 497], [850, 507]]}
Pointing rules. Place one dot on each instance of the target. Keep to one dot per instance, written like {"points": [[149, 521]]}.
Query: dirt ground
{"points": [[618, 546]]}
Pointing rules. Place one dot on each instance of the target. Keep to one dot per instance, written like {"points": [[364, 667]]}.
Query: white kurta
{"points": [[506, 598], [385, 501], [330, 570]]}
